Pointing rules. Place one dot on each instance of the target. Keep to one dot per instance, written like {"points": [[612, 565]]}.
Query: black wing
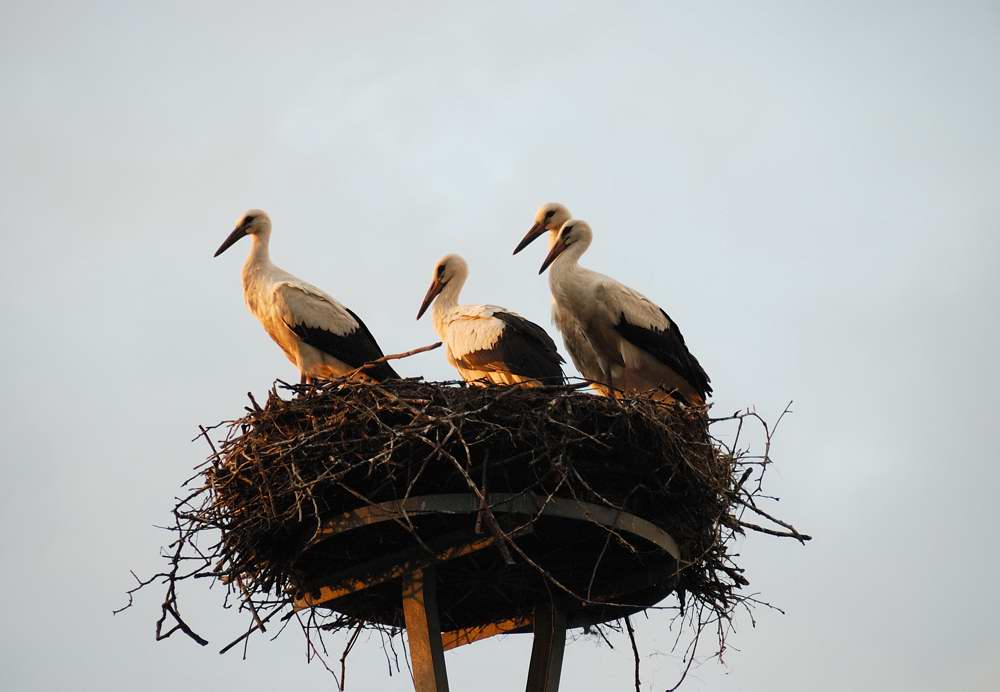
{"points": [[524, 348], [669, 347], [354, 348]]}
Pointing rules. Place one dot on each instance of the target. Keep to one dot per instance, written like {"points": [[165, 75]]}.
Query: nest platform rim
{"points": [[642, 587]]}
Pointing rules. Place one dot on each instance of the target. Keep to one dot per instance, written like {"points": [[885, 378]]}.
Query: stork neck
{"points": [[448, 297], [446, 300], [259, 251], [258, 261], [566, 263]]}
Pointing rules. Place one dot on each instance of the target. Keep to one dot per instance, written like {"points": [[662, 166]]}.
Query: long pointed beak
{"points": [[557, 249], [432, 293], [228, 242], [536, 230]]}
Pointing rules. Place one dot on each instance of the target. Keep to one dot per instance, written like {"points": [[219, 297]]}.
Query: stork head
{"points": [[549, 218], [450, 269], [575, 236], [253, 222]]}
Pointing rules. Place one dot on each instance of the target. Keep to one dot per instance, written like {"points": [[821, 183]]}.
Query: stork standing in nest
{"points": [[487, 343], [320, 336], [549, 219], [637, 347]]}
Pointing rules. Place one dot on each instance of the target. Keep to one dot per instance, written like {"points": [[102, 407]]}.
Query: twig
{"points": [[393, 356], [635, 650], [347, 650]]}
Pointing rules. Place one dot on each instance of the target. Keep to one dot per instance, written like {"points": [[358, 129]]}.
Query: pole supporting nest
{"points": [[423, 631], [547, 648]]}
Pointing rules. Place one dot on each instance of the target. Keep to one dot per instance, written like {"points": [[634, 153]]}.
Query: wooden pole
{"points": [[547, 649], [423, 631]]}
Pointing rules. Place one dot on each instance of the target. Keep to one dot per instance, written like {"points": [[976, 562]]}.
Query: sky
{"points": [[810, 189]]}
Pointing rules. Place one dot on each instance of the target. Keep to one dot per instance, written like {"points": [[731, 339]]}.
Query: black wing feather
{"points": [[525, 348], [669, 347], [354, 348]]}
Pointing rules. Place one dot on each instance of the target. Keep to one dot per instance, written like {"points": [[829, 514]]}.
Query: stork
{"points": [[549, 219], [487, 343], [320, 336], [637, 346]]}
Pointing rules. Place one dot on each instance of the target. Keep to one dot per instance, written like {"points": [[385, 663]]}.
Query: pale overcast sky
{"points": [[811, 189]]}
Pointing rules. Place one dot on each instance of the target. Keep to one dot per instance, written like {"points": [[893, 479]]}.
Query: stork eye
{"points": [[249, 219], [550, 213]]}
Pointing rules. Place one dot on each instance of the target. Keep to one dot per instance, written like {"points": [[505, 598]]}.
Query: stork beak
{"points": [[557, 249], [536, 230], [237, 233], [432, 293]]}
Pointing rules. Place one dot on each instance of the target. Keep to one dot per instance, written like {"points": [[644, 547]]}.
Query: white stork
{"points": [[549, 219], [486, 343], [638, 347], [320, 336]]}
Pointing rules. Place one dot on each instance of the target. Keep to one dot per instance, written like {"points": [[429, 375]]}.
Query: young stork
{"points": [[486, 343], [549, 219], [319, 335], [638, 346]]}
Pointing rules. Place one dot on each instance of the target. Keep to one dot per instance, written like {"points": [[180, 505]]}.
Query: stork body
{"points": [[549, 219], [581, 350], [320, 336], [636, 345], [488, 343]]}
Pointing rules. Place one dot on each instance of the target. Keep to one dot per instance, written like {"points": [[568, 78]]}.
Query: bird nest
{"points": [[313, 506]]}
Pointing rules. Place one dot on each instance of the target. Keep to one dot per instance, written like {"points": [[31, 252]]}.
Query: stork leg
{"points": [[423, 631], [547, 649]]}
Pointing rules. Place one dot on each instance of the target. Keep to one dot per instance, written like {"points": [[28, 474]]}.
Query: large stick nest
{"points": [[252, 515]]}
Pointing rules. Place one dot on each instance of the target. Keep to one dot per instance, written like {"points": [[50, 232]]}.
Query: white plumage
{"points": [[635, 344], [487, 343], [320, 336]]}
